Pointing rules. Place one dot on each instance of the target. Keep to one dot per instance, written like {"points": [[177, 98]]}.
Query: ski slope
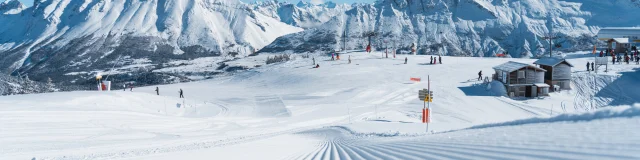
{"points": [[364, 110]]}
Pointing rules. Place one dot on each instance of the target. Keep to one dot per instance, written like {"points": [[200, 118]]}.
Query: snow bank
{"points": [[612, 112]]}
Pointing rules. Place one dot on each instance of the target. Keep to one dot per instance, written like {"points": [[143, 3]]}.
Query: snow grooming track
{"points": [[203, 144], [491, 141], [469, 144]]}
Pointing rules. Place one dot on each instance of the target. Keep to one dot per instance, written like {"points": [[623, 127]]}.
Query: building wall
{"points": [[529, 78], [561, 71], [547, 75]]}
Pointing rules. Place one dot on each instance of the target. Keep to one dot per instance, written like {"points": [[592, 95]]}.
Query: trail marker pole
{"points": [[426, 96], [429, 101]]}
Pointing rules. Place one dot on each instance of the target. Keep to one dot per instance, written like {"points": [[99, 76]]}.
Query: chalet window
{"points": [[520, 74]]}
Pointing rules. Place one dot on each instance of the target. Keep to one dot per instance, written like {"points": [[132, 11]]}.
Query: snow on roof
{"points": [[618, 32], [513, 66], [541, 85], [551, 61], [621, 40]]}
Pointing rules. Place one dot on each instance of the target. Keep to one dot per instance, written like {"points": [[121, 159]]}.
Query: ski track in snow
{"points": [[337, 143]]}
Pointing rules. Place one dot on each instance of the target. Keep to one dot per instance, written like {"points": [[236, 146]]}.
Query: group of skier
{"points": [[130, 85], [620, 58], [435, 60], [592, 68]]}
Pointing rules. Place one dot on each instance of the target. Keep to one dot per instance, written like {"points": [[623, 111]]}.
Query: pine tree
{"points": [[50, 85]]}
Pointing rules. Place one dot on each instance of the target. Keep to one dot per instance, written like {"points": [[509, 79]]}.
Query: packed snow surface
{"points": [[367, 109]]}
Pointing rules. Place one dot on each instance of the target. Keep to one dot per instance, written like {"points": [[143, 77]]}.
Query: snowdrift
{"points": [[605, 113]]}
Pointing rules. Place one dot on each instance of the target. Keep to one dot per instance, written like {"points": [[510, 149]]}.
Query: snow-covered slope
{"points": [[11, 7], [55, 37], [367, 109], [465, 27]]}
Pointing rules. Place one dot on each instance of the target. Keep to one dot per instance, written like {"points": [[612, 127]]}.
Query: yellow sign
{"points": [[428, 99]]}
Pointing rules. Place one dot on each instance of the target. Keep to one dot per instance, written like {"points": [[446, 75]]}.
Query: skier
{"points": [[434, 60], [405, 60], [440, 59], [637, 59], [431, 61], [124, 87], [314, 60], [157, 91], [613, 59], [626, 59], [349, 59], [593, 68], [588, 67], [369, 48], [181, 96], [317, 66], [626, 54], [332, 56], [619, 59], [337, 56], [131, 87], [601, 53], [480, 75]]}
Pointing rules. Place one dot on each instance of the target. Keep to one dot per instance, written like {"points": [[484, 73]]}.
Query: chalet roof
{"points": [[513, 66], [551, 61], [618, 32], [541, 85], [621, 40]]}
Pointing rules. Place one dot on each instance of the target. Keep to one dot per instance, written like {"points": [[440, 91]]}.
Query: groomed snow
{"points": [[364, 110]]}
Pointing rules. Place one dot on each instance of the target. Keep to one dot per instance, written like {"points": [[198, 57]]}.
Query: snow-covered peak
{"points": [[303, 4], [11, 7], [302, 14]]}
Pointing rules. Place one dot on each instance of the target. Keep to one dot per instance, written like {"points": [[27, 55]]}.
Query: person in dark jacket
{"points": [[619, 59], [440, 59], [480, 75], [626, 59], [181, 95], [601, 54], [157, 91], [405, 60], [593, 66], [588, 69], [431, 61]]}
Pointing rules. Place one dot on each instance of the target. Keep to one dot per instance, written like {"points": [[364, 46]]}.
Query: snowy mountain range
{"points": [[465, 27], [55, 37], [72, 40]]}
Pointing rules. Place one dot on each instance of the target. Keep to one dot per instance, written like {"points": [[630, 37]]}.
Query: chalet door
{"points": [[528, 91]]}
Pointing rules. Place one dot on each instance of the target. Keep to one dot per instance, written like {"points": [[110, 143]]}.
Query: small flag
{"points": [[415, 79]]}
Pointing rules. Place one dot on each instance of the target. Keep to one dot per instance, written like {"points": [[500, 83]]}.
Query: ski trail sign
{"points": [[425, 95]]}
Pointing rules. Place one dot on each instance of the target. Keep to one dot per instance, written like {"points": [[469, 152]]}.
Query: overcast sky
{"points": [[30, 2]]}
